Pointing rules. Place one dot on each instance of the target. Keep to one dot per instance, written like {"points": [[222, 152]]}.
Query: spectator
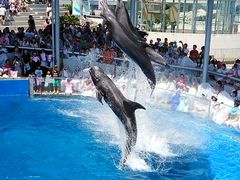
{"points": [[181, 83], [108, 55], [38, 79], [68, 87], [13, 9], [2, 14], [151, 43], [48, 83], [3, 58], [35, 61], [24, 5], [48, 10], [201, 57], [222, 70], [185, 49], [57, 81], [31, 24], [43, 59], [194, 55], [160, 44], [165, 45], [26, 63], [46, 23]]}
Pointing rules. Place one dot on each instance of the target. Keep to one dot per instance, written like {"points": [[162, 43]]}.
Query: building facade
{"points": [[187, 16]]}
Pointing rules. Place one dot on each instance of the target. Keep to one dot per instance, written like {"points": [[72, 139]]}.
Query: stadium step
{"points": [[38, 11]]}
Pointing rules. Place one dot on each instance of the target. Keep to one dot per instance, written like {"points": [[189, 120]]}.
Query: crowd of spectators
{"points": [[81, 39], [86, 40]]}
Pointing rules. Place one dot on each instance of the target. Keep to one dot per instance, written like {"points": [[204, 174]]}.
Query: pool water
{"points": [[78, 138]]}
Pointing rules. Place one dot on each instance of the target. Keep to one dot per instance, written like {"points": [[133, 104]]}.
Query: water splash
{"points": [[160, 135]]}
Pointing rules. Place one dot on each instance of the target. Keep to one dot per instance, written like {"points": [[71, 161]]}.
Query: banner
{"points": [[76, 7], [86, 7], [100, 3]]}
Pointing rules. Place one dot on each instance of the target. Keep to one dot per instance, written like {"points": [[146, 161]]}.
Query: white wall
{"points": [[223, 46]]}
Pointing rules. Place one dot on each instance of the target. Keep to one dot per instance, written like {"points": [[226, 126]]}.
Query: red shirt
{"points": [[194, 54]]}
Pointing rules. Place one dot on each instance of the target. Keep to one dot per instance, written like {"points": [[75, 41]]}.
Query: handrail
{"points": [[210, 72], [25, 47], [121, 59]]}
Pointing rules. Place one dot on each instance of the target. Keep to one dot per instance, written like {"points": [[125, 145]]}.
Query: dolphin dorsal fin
{"points": [[132, 105]]}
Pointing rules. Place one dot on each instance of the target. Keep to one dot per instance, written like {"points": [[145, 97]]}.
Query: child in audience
{"points": [[68, 87], [49, 82], [181, 83], [38, 79]]}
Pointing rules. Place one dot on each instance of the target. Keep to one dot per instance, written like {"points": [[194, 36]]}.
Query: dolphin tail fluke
{"points": [[132, 105]]}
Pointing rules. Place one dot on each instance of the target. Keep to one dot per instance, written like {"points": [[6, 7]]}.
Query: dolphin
{"points": [[124, 19], [135, 50], [123, 108]]}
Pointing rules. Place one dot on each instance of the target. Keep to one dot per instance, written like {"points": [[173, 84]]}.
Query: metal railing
{"points": [[120, 59]]}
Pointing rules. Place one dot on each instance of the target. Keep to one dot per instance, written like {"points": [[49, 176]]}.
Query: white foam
{"points": [[136, 163], [155, 135]]}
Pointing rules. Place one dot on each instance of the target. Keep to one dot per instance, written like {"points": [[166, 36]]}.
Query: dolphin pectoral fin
{"points": [[130, 105], [99, 97], [154, 56]]}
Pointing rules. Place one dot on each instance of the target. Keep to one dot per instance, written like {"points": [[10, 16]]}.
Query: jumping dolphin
{"points": [[122, 107], [123, 38], [124, 19]]}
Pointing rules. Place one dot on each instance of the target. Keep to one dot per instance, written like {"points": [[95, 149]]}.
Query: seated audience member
{"points": [[8, 66], [234, 114], [222, 70], [235, 96], [175, 100], [2, 14], [3, 58], [219, 87], [13, 9], [108, 56], [234, 70], [181, 82]]}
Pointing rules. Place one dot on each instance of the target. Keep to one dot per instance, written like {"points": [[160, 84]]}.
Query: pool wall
{"points": [[14, 87]]}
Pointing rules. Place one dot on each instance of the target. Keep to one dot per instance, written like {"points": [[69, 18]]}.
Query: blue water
{"points": [[78, 138]]}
